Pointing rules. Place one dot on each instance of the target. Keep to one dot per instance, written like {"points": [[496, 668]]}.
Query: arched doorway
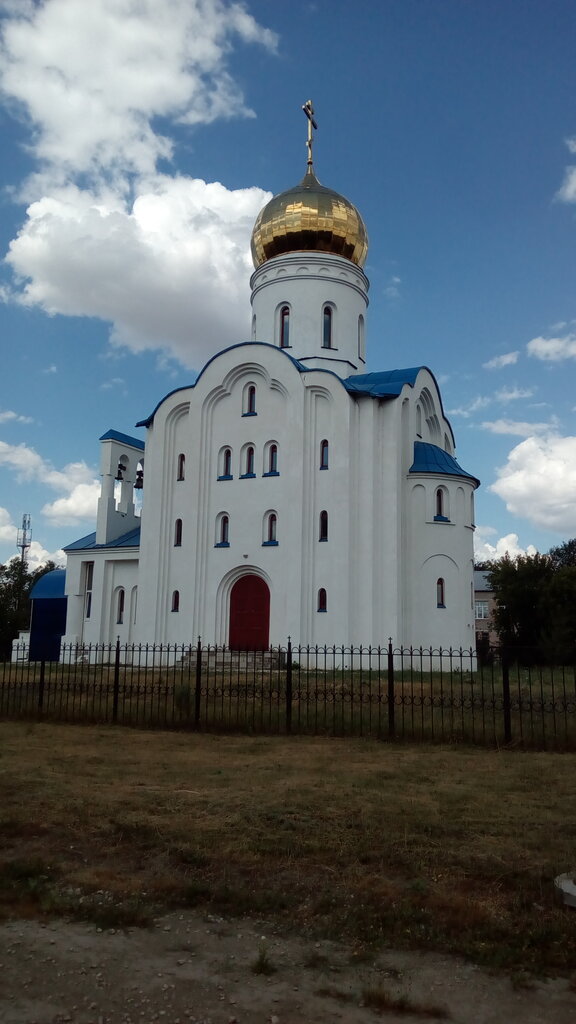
{"points": [[249, 614]]}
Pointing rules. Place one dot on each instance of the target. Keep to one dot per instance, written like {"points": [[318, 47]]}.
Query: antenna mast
{"points": [[24, 538]]}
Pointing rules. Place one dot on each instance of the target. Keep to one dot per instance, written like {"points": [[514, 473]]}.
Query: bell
{"points": [[139, 480], [119, 473]]}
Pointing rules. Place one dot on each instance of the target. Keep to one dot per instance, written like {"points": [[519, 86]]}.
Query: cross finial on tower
{"points": [[309, 111]]}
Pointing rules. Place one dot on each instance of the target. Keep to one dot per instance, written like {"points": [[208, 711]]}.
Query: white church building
{"points": [[287, 491]]}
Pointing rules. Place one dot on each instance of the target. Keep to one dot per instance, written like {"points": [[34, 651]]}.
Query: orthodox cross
{"points": [[309, 111]]}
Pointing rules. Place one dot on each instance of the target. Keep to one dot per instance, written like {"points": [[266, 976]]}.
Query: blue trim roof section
{"points": [[128, 540], [51, 584], [385, 384], [263, 344], [429, 458], [115, 435]]}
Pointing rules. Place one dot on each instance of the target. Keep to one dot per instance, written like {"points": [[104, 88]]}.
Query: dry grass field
{"points": [[448, 848]]}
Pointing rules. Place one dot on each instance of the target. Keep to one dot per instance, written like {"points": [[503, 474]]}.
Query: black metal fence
{"points": [[417, 694]]}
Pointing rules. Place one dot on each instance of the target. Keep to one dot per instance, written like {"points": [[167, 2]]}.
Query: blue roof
{"points": [[115, 435], [384, 384], [429, 458], [51, 584], [127, 540]]}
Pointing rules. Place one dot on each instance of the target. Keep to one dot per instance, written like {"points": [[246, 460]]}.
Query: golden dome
{"points": [[309, 218]]}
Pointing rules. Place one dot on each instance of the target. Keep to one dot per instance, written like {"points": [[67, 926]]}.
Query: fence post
{"points": [[116, 681], [198, 684], [506, 695], [41, 686], [391, 704], [289, 686]]}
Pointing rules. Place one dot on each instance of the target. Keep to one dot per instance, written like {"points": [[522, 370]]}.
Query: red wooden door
{"points": [[249, 614]]}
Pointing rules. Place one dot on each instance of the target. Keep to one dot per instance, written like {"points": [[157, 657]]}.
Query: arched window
{"points": [[322, 606], [181, 466], [249, 400], [254, 328], [222, 530], [361, 341], [248, 462], [120, 607], [285, 327], [327, 327], [441, 510], [178, 533], [323, 535], [269, 529], [225, 464], [273, 460], [176, 601], [440, 593], [324, 454]]}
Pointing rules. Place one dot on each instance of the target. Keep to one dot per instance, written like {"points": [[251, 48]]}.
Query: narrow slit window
{"points": [[440, 593], [88, 581], [361, 343], [327, 327], [250, 461], [285, 327], [223, 533], [272, 520], [120, 607], [249, 402], [226, 464], [323, 534], [181, 467], [324, 454], [273, 458], [439, 502], [322, 604], [176, 601], [178, 533]]}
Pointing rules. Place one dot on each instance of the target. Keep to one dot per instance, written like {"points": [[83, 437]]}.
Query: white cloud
{"points": [[553, 350], [76, 480], [468, 410], [50, 369], [538, 482], [94, 77], [507, 359], [9, 416], [156, 269], [107, 235], [518, 428], [507, 545], [8, 529], [392, 289], [513, 394]]}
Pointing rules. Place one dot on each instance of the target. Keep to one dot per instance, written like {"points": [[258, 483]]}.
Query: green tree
{"points": [[564, 555], [523, 611], [558, 635], [16, 582]]}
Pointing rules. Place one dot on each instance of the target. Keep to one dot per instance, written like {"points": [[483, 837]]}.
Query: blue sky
{"points": [[139, 142]]}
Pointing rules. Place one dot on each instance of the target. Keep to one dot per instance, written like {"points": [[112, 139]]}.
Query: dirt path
{"points": [[194, 968]]}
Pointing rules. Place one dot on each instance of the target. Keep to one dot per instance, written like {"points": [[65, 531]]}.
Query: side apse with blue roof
{"points": [[429, 458]]}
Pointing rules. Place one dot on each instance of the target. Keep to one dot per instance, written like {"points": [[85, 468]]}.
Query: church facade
{"points": [[287, 492]]}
